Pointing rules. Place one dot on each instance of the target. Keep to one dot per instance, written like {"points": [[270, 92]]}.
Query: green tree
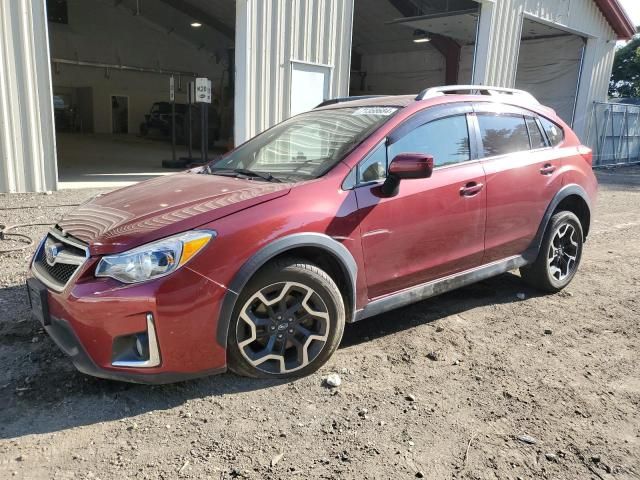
{"points": [[625, 77]]}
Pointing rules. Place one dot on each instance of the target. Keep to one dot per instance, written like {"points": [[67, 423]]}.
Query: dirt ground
{"points": [[480, 383]]}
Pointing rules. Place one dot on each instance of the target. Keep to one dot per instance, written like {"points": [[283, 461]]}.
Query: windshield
{"points": [[305, 146]]}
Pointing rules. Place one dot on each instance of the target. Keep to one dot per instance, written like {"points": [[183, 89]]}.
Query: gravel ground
{"points": [[490, 381]]}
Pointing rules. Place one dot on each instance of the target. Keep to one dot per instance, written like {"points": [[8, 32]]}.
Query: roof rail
{"points": [[475, 90]]}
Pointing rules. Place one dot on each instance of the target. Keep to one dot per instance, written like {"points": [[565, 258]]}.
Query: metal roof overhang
{"points": [[617, 18]]}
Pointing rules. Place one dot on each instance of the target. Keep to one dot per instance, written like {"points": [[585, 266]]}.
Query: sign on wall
{"points": [[203, 90], [309, 86]]}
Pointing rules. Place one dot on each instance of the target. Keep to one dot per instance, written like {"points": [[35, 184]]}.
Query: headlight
{"points": [[155, 259]]}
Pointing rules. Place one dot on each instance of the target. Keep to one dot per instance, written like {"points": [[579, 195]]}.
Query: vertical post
{"points": [[594, 119], [626, 132], [206, 132], [450, 50], [484, 30], [203, 98], [189, 123], [202, 132], [172, 97]]}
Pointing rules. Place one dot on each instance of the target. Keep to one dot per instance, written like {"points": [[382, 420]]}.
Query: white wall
{"points": [[101, 32]]}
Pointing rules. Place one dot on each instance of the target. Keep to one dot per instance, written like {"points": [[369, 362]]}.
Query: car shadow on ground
{"points": [[501, 289], [41, 392]]}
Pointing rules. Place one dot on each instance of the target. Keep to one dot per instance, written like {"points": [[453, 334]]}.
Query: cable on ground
{"points": [[26, 240]]}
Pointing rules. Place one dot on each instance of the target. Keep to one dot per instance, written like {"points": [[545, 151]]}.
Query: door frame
{"points": [[111, 111]]}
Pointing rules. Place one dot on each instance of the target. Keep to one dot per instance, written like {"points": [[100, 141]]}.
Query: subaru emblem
{"points": [[51, 251]]}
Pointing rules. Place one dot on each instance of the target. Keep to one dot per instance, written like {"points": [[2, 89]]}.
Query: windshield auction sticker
{"points": [[374, 111]]}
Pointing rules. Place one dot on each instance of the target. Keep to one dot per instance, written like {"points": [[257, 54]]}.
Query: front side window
{"points": [[307, 145], [503, 134], [553, 131], [446, 139]]}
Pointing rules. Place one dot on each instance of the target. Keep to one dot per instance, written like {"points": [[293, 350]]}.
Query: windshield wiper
{"points": [[245, 172]]}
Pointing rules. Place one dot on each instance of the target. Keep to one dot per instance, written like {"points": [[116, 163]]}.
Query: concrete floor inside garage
{"points": [[109, 161]]}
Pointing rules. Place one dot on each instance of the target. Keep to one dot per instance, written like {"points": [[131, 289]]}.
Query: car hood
{"points": [[135, 215]]}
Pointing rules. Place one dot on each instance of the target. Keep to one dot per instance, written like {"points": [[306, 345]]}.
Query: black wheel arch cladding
{"points": [[282, 245], [562, 194]]}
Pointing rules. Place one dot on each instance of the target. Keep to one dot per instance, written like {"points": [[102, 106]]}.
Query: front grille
{"points": [[57, 259]]}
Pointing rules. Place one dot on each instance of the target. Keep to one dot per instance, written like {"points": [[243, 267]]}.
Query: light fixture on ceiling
{"points": [[196, 24], [420, 36]]}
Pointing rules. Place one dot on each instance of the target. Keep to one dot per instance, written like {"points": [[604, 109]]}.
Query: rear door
{"points": [[523, 174], [433, 227]]}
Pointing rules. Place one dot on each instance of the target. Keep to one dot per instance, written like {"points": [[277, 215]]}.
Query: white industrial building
{"points": [[77, 77]]}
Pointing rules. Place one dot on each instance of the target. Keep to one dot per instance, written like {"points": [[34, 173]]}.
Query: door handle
{"points": [[548, 169], [471, 189]]}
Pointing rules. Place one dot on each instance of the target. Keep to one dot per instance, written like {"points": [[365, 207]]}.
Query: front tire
{"points": [[559, 255], [287, 322]]}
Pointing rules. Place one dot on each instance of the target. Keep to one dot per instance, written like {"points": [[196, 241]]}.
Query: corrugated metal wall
{"points": [[499, 45], [504, 43], [27, 142], [272, 33]]}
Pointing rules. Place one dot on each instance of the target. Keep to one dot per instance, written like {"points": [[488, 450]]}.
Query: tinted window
{"points": [[502, 134], [554, 132], [446, 139], [374, 167], [536, 136]]}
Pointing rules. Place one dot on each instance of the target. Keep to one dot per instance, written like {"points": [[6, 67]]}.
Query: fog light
{"points": [[142, 346], [139, 350]]}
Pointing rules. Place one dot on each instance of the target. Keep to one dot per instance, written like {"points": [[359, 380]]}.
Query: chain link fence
{"points": [[614, 134]]}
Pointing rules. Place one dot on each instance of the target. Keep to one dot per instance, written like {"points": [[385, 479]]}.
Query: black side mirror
{"points": [[406, 166]]}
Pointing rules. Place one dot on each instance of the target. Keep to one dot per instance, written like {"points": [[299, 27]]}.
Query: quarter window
{"points": [[446, 139], [536, 136], [374, 167], [503, 134], [553, 131]]}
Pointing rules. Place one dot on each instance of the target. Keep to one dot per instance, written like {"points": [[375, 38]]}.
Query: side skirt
{"points": [[436, 287]]}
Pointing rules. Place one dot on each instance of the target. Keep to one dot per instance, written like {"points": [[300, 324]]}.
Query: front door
{"points": [[432, 227]]}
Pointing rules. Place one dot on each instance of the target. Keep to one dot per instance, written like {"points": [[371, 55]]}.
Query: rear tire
{"points": [[559, 255], [287, 322]]}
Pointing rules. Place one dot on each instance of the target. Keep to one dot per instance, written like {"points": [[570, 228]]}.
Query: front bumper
{"points": [[63, 335], [89, 319]]}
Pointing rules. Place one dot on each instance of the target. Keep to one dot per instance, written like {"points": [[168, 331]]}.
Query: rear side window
{"points": [[536, 136], [446, 139], [553, 131], [503, 134]]}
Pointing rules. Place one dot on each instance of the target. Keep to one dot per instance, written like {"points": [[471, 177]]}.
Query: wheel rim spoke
{"points": [[563, 252], [283, 327]]}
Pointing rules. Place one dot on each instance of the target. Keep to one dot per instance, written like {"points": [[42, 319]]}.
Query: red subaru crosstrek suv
{"points": [[256, 261]]}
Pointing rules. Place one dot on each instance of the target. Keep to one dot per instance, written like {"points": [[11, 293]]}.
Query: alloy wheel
{"points": [[283, 327], [563, 252]]}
